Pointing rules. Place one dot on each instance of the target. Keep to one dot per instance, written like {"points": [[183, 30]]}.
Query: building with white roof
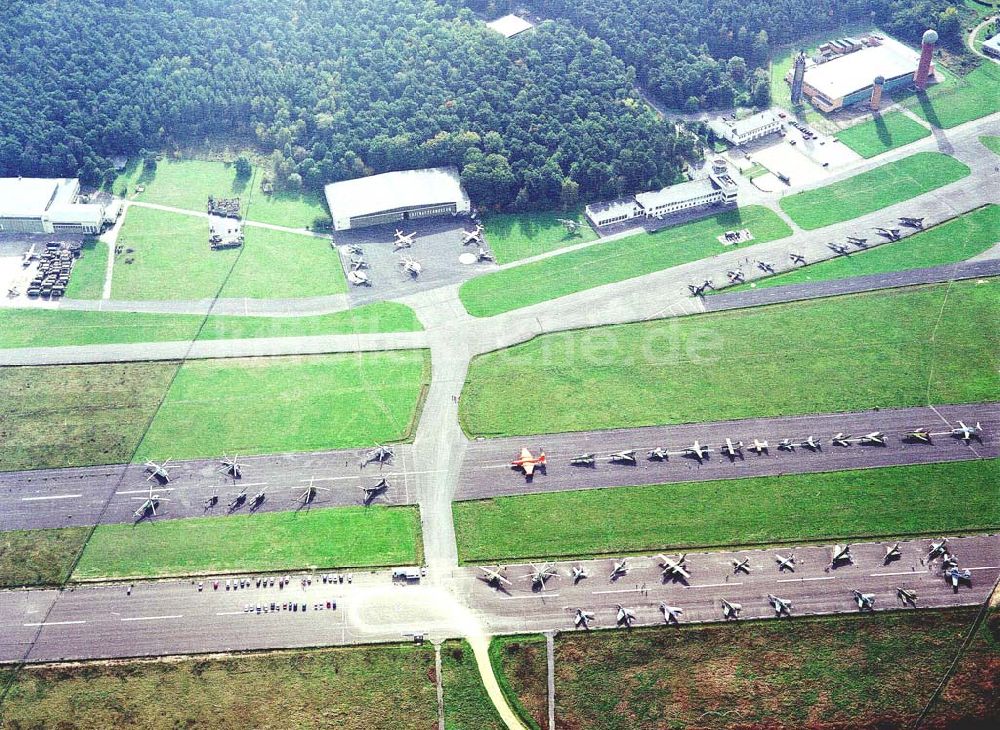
{"points": [[47, 205], [396, 196], [509, 25], [991, 46], [741, 131]]}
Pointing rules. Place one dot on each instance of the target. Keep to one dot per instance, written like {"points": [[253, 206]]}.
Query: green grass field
{"points": [[956, 240], [854, 671], [336, 537], [874, 189], [880, 349], [39, 557], [356, 688], [278, 404], [515, 236], [519, 663], [612, 261], [74, 415], [883, 133], [971, 96], [87, 279], [171, 259], [971, 697], [50, 327], [991, 143], [891, 501], [466, 704]]}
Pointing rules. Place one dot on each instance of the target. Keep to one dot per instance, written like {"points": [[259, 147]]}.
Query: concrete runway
{"points": [[70, 497], [486, 471], [174, 617]]}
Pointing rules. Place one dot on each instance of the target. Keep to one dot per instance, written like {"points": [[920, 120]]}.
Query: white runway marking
{"points": [[229, 613], [802, 580], [518, 598], [146, 491], [716, 585], [899, 572], [987, 567], [373, 475], [54, 496], [620, 590], [152, 618], [55, 623]]}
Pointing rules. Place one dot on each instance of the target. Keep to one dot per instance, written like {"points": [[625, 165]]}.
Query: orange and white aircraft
{"points": [[527, 462]]}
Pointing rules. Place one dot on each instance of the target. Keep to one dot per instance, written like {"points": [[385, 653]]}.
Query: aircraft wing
{"points": [[529, 468]]}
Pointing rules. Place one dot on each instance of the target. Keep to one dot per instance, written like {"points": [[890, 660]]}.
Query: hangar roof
{"points": [[30, 197], [855, 71], [395, 190]]}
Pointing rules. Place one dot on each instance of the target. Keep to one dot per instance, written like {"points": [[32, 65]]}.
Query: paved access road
{"points": [[486, 471], [174, 617]]}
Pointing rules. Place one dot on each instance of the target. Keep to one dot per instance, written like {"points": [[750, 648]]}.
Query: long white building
{"points": [[741, 131], [47, 205], [396, 196]]}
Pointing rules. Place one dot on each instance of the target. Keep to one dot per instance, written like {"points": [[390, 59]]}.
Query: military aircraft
{"points": [[358, 278], [380, 455], [231, 466], [697, 451], [238, 500], [582, 619], [403, 240], [917, 223], [891, 553], [671, 614], [410, 266], [865, 601], [732, 450], [622, 457], [780, 605], [859, 242], [812, 444], [731, 610], [149, 505], [938, 548], [582, 460], [841, 439], [907, 597], [741, 565], [625, 616], [212, 500], [158, 472], [572, 227], [967, 433], [658, 454], [891, 233], [875, 438], [785, 563], [735, 277], [699, 291], [494, 576], [527, 462], [619, 568], [13, 292], [841, 554], [258, 500], [357, 263], [838, 249], [956, 576], [28, 256], [355, 249], [310, 493], [484, 255], [919, 434], [766, 267], [759, 447], [540, 573], [371, 492], [797, 258], [670, 568], [578, 573], [474, 236]]}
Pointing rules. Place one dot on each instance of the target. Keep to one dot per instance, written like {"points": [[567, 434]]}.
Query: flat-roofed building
{"points": [[47, 205], [741, 131], [613, 211], [396, 196], [510, 25], [991, 46]]}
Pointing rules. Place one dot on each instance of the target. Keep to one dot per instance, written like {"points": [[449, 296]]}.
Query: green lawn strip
{"points": [[883, 133], [286, 208], [991, 143], [873, 190], [279, 404], [52, 327], [873, 350], [183, 184], [521, 668], [76, 415], [466, 704], [811, 672], [972, 96], [515, 236], [39, 557], [613, 261], [970, 696], [351, 688], [87, 279], [955, 240], [889, 501], [334, 537]]}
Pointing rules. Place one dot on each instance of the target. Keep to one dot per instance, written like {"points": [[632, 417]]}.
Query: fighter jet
{"points": [[906, 597], [355, 249], [922, 435], [909, 222], [785, 563], [28, 256], [540, 573], [577, 573], [373, 491], [797, 258], [403, 240], [699, 291], [357, 263], [258, 500], [841, 554], [231, 466], [735, 277], [582, 619], [622, 457], [781, 606], [670, 568], [865, 601], [841, 439], [619, 568], [937, 548], [625, 616], [967, 433], [380, 455], [741, 565], [582, 460], [732, 450], [891, 553], [158, 471], [474, 236], [148, 506], [494, 576], [956, 576], [766, 267], [731, 611], [697, 451], [671, 614], [571, 226], [786, 445], [358, 278], [658, 454], [527, 462], [891, 233], [812, 444], [875, 438], [410, 266], [212, 500], [484, 255], [838, 249], [759, 447], [238, 500], [311, 492], [855, 241]]}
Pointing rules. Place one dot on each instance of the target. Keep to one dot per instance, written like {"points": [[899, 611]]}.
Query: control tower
{"points": [[799, 70]]}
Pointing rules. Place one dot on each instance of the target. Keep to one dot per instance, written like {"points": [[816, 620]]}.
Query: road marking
{"points": [[518, 598], [55, 623], [716, 585], [900, 572], [802, 580], [146, 491], [54, 496], [620, 590], [152, 618]]}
